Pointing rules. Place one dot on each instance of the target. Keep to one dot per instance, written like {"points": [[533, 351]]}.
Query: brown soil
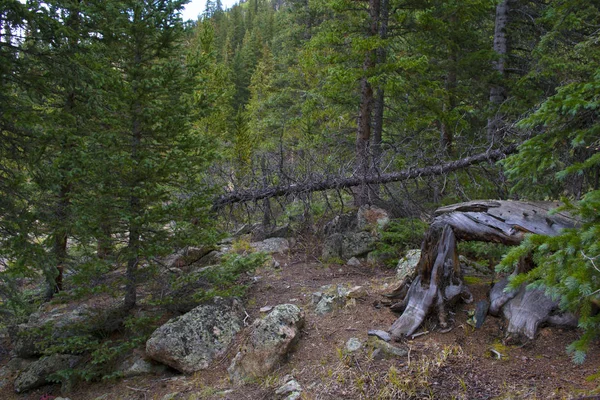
{"points": [[458, 364]]}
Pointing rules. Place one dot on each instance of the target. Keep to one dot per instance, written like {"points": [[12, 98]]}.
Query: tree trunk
{"points": [[379, 105], [365, 111], [438, 279], [241, 196], [497, 91]]}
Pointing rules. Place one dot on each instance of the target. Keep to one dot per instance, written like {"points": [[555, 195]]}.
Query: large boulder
{"points": [[38, 372], [11, 370], [355, 234], [190, 342], [371, 218], [187, 256], [272, 245], [52, 323], [268, 343], [348, 245]]}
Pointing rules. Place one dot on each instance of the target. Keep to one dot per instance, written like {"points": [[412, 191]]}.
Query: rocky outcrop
{"points": [[187, 256], [332, 297], [52, 323], [11, 370], [354, 235], [38, 372], [272, 245], [190, 342], [268, 343]]}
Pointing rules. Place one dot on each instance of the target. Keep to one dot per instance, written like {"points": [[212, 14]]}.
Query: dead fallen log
{"points": [[241, 196], [438, 279]]}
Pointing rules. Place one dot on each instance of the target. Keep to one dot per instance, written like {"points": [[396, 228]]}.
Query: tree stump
{"points": [[438, 280]]}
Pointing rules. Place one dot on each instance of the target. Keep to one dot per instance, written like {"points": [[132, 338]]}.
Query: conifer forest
{"points": [[270, 160]]}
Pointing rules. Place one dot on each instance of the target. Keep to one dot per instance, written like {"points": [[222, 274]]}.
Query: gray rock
{"points": [[268, 343], [11, 370], [289, 387], [340, 224], [348, 245], [387, 350], [329, 298], [354, 262], [187, 256], [408, 264], [370, 218], [212, 258], [136, 365], [36, 374], [294, 396], [59, 321], [272, 245], [190, 342], [353, 345]]}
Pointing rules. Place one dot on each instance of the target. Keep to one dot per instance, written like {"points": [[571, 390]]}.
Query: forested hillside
{"points": [[127, 135]]}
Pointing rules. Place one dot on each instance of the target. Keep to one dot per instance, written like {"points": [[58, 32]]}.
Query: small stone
{"points": [[170, 396], [351, 303], [387, 349], [354, 262], [358, 292], [316, 297], [266, 309], [353, 344], [289, 387], [293, 396]]}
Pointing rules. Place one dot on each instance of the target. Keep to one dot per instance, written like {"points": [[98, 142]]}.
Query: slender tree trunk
{"points": [[133, 245], [497, 91], [365, 111], [379, 106], [135, 210]]}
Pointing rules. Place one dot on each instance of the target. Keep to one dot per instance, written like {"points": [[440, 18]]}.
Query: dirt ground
{"points": [[454, 365]]}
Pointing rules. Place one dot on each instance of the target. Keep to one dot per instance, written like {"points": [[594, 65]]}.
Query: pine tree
{"points": [[156, 158]]}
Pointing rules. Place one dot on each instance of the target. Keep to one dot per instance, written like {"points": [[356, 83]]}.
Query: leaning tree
{"points": [[438, 281]]}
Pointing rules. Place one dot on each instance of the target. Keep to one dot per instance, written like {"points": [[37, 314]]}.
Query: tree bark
{"points": [[365, 111], [241, 196], [438, 280], [498, 91], [379, 105]]}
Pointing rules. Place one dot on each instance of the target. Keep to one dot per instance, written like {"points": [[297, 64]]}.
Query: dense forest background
{"points": [[126, 133]]}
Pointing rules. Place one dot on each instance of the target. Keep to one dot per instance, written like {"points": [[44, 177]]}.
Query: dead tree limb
{"points": [[438, 280], [241, 196]]}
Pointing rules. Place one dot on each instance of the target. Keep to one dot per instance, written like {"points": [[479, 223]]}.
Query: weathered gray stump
{"points": [[438, 280]]}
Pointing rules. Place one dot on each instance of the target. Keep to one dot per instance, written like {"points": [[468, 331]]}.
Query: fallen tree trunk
{"points": [[438, 280], [241, 196]]}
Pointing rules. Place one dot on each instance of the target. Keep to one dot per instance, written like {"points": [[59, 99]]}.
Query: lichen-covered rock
{"points": [[329, 298], [37, 373], [387, 350], [268, 343], [187, 256], [408, 264], [11, 370], [54, 322], [137, 365], [372, 218], [348, 245], [353, 345], [190, 342], [272, 245]]}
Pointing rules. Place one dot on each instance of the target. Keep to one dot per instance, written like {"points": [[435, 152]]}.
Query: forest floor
{"points": [[454, 365]]}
